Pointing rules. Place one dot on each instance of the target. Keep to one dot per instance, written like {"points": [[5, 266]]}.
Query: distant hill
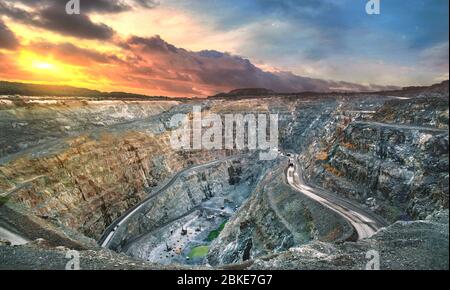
{"points": [[24, 89], [246, 92], [440, 88]]}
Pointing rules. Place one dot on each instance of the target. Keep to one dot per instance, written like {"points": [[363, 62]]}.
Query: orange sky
{"points": [[45, 56]]}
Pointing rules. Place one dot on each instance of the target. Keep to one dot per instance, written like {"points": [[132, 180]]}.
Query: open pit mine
{"points": [[358, 181]]}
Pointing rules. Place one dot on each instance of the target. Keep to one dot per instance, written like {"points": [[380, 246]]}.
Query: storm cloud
{"points": [[88, 6], [216, 71], [8, 39], [51, 15], [70, 53]]}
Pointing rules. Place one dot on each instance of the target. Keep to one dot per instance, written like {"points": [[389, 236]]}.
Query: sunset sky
{"points": [[202, 47]]}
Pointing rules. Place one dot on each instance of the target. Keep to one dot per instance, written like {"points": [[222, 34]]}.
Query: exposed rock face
{"points": [[38, 255], [198, 202], [431, 111], [400, 170], [69, 168], [186, 195], [28, 122], [87, 180], [91, 183], [419, 245], [274, 219]]}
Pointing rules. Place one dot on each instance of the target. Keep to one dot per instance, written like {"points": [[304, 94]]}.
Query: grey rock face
{"points": [[402, 168], [418, 245], [274, 219], [187, 194]]}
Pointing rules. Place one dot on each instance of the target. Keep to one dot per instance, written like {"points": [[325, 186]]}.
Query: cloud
{"points": [[210, 71], [303, 42], [8, 39], [434, 61], [72, 54], [436, 57], [51, 15], [153, 66], [104, 6], [7, 9], [10, 70], [147, 3], [88, 6], [294, 34], [54, 18]]}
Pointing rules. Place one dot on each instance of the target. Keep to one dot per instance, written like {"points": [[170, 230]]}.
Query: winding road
{"points": [[13, 238], [363, 220], [110, 231]]}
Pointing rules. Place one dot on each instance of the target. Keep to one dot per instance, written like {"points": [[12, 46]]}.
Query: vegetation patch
{"points": [[198, 252], [215, 233]]}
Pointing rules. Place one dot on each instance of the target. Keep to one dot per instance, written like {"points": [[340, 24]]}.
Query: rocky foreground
{"points": [[404, 245], [419, 245], [70, 166]]}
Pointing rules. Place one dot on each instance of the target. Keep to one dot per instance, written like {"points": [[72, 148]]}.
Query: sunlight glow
{"points": [[42, 65], [46, 69]]}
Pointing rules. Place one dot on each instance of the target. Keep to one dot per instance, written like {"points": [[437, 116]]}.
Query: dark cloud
{"points": [[88, 6], [216, 71], [8, 39], [13, 12], [51, 15], [54, 18], [147, 3], [151, 44], [104, 6], [70, 53]]}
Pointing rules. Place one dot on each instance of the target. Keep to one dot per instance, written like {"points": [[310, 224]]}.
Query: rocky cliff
{"points": [[418, 245], [274, 219], [393, 156], [84, 180]]}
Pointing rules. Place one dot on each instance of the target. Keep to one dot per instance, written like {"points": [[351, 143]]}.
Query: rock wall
{"points": [[186, 194], [26, 122], [397, 166], [418, 245], [86, 180], [274, 219]]}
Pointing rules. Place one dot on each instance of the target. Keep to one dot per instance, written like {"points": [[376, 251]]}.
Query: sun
{"points": [[42, 68], [42, 65], [37, 63]]}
